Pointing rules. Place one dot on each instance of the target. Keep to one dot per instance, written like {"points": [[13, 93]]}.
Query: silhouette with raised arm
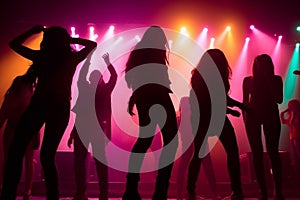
{"points": [[147, 75], [54, 66], [262, 92], [291, 117], [87, 123], [227, 136], [15, 102]]}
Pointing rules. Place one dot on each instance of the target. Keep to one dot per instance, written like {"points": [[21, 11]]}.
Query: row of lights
{"points": [[183, 30]]}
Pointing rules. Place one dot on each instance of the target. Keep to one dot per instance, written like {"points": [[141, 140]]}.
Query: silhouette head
{"points": [[263, 66], [151, 49], [55, 38], [95, 77], [221, 62], [154, 38], [219, 59]]}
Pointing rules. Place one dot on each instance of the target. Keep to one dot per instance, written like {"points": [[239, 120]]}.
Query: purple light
{"points": [[252, 27]]}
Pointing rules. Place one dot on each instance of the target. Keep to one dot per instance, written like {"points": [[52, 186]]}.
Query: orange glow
{"points": [[13, 65]]}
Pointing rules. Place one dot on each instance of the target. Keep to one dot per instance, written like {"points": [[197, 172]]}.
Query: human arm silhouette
{"points": [[246, 93], [71, 137], [232, 102], [84, 69], [131, 104], [233, 112], [284, 119], [17, 43], [89, 46], [113, 74], [297, 72]]}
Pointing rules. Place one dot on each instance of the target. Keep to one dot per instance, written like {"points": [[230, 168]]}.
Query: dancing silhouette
{"points": [[227, 136], [291, 117], [15, 102], [262, 92], [146, 74], [54, 66], [86, 121]]}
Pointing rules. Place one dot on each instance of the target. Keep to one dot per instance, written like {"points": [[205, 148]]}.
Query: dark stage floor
{"points": [[116, 189], [42, 198]]}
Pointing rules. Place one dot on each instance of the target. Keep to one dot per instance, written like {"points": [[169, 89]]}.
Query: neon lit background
{"points": [[201, 22]]}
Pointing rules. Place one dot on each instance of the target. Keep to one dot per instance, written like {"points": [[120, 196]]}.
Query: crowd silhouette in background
{"points": [[41, 97]]}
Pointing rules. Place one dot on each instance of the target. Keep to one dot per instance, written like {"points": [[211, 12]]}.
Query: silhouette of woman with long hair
{"points": [[15, 102], [262, 92], [227, 136], [54, 66], [291, 117], [147, 75]]}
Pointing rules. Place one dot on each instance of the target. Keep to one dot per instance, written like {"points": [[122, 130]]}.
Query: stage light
{"points": [[93, 36], [291, 81], [212, 43], [228, 28], [279, 37], [138, 38], [247, 39], [111, 28], [73, 33], [170, 42], [298, 28], [183, 31], [252, 27], [202, 38]]}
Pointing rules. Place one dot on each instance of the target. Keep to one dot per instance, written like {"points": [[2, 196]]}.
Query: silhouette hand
{"points": [[297, 72], [106, 59], [232, 112], [130, 106], [37, 29], [70, 141], [235, 113]]}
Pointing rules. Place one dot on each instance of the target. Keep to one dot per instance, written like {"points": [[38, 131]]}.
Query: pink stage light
{"points": [[202, 38], [111, 28], [138, 38], [93, 36], [212, 43], [252, 27]]}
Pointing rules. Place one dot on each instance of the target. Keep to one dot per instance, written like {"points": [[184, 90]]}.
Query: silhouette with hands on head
{"points": [[54, 65]]}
